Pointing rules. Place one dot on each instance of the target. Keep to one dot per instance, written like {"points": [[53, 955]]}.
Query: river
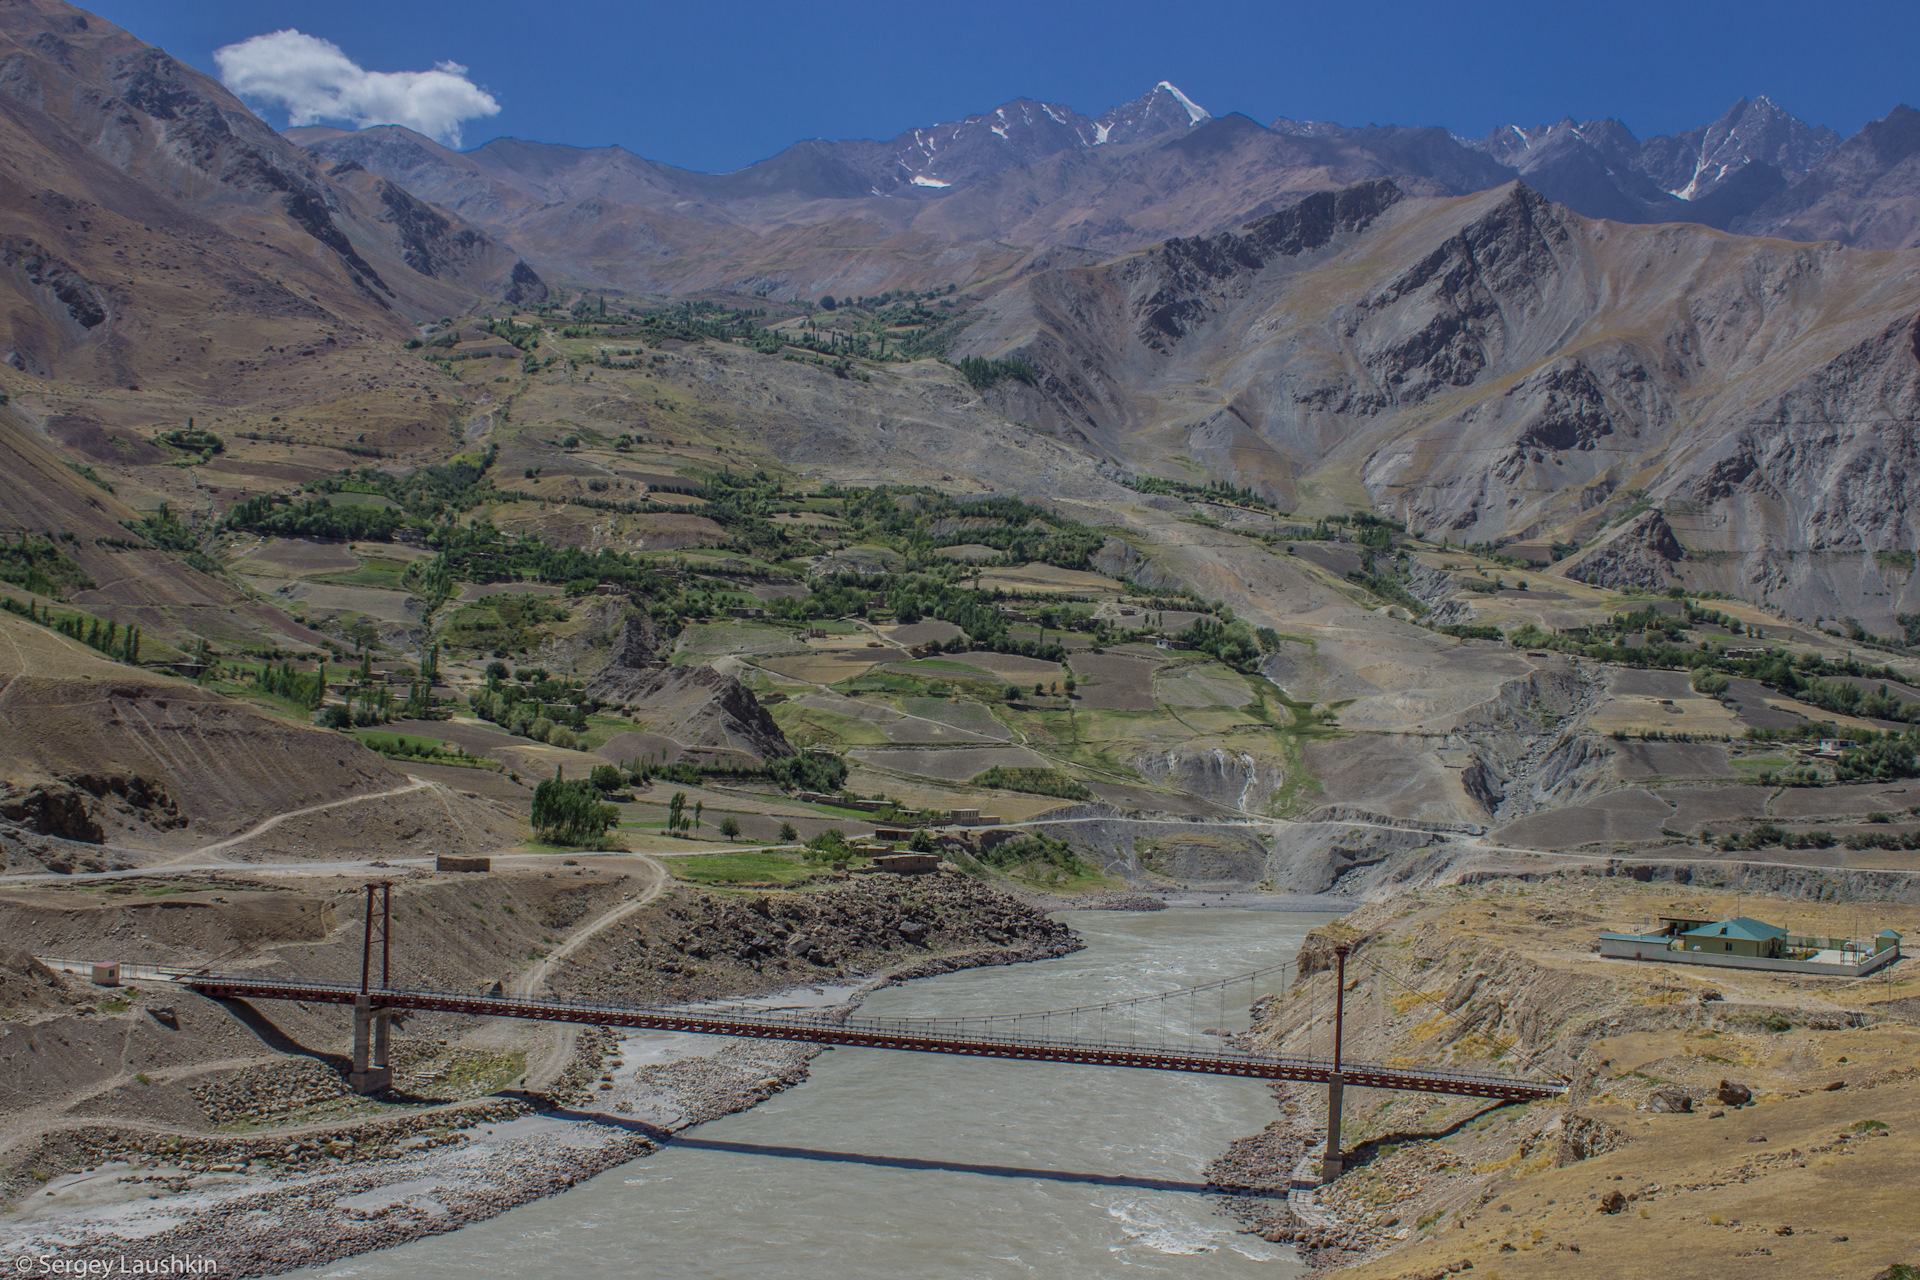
{"points": [[888, 1164]]}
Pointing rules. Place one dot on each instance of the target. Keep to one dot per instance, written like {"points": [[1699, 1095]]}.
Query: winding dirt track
{"points": [[550, 1063], [205, 850]]}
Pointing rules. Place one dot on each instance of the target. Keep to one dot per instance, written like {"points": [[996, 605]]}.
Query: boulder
{"points": [[1612, 1202], [1669, 1101], [1734, 1095]]}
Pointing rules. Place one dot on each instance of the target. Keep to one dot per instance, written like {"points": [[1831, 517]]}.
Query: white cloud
{"points": [[313, 80]]}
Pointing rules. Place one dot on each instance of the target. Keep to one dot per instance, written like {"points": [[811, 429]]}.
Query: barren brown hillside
{"points": [[101, 754]]}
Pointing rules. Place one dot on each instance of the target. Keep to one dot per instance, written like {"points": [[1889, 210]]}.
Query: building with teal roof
{"points": [[1740, 936], [1746, 943]]}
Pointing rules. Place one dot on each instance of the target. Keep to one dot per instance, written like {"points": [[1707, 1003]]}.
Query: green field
{"points": [[747, 866]]}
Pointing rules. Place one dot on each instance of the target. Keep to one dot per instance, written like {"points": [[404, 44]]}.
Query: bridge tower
{"points": [[1333, 1164], [372, 1027]]}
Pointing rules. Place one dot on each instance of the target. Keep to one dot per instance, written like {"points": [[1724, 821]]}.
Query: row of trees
{"points": [[119, 643]]}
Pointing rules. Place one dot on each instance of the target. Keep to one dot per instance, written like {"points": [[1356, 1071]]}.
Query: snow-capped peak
{"points": [[1161, 109], [1195, 112]]}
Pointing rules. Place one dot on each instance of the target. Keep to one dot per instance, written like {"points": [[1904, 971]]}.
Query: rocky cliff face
{"points": [[1499, 367]]}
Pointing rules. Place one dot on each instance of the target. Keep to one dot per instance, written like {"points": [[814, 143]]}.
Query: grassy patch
{"points": [[1031, 781], [406, 746], [746, 867], [811, 726], [373, 572]]}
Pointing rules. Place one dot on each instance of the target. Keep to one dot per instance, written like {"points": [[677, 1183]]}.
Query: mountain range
{"points": [[1558, 335], [978, 200]]}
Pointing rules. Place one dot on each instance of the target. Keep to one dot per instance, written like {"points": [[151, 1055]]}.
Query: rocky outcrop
{"points": [[1645, 555], [70, 807], [713, 717], [638, 644], [1193, 280], [1231, 779], [708, 943], [64, 289], [1528, 744], [1116, 559]]}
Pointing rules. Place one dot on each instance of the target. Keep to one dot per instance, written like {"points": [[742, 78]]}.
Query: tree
{"points": [[606, 777], [730, 827], [922, 841], [571, 812], [676, 806], [828, 303], [809, 771], [788, 833], [698, 807]]}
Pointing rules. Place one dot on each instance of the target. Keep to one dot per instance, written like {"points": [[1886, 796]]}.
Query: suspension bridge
{"points": [[1180, 1030]]}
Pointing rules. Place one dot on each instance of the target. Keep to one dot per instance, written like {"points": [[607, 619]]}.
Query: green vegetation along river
{"points": [[886, 1164]]}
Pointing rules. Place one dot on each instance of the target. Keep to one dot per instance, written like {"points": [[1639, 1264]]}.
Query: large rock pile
{"points": [[705, 944]]}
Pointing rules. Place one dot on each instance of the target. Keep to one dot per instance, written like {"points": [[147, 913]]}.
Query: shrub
{"points": [[809, 771], [788, 833], [1710, 682], [1032, 781], [1036, 848], [829, 846]]}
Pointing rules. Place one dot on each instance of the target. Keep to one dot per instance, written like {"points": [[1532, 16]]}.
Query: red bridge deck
{"points": [[918, 1036]]}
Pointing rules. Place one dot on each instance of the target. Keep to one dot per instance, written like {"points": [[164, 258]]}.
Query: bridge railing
{"points": [[957, 1031]]}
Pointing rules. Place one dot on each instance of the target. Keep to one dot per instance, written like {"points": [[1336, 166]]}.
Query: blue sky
{"points": [[717, 86]]}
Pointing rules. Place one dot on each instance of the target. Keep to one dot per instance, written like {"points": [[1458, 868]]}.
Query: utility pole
{"points": [[1331, 1166]]}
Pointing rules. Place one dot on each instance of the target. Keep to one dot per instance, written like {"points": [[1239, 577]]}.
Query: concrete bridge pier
{"points": [[1332, 1165], [370, 1071]]}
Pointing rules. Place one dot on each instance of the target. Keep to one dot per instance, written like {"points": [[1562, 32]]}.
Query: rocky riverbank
{"points": [[1257, 1174], [265, 1203], [1509, 979]]}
